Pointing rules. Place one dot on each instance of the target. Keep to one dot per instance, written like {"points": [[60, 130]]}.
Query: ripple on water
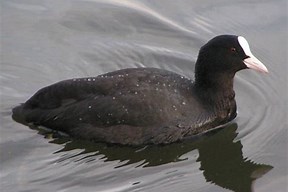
{"points": [[257, 115], [67, 39]]}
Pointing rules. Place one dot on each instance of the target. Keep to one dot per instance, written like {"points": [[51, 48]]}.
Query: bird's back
{"points": [[143, 99]]}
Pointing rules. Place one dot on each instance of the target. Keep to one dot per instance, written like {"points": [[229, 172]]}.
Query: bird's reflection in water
{"points": [[220, 157], [223, 163]]}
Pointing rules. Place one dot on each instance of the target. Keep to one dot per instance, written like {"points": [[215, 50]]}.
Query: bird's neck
{"points": [[216, 91]]}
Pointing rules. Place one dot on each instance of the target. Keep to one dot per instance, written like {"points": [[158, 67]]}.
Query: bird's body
{"points": [[138, 105]]}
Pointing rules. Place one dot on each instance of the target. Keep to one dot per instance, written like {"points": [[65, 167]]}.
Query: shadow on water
{"points": [[220, 157]]}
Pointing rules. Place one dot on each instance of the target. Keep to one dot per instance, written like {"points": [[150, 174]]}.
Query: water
{"points": [[43, 42]]}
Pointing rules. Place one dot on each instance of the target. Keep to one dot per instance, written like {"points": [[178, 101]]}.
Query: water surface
{"points": [[43, 42]]}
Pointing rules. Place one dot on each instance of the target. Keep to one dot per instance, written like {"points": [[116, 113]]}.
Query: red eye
{"points": [[233, 49]]}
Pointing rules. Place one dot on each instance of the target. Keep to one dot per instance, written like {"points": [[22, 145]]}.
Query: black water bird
{"points": [[146, 105]]}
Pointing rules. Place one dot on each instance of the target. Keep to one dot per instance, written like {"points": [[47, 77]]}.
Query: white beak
{"points": [[253, 63]]}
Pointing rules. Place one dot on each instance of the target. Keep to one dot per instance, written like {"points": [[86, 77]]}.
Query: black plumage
{"points": [[144, 105]]}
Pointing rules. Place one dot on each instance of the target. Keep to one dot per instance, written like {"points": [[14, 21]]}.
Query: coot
{"points": [[146, 105]]}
